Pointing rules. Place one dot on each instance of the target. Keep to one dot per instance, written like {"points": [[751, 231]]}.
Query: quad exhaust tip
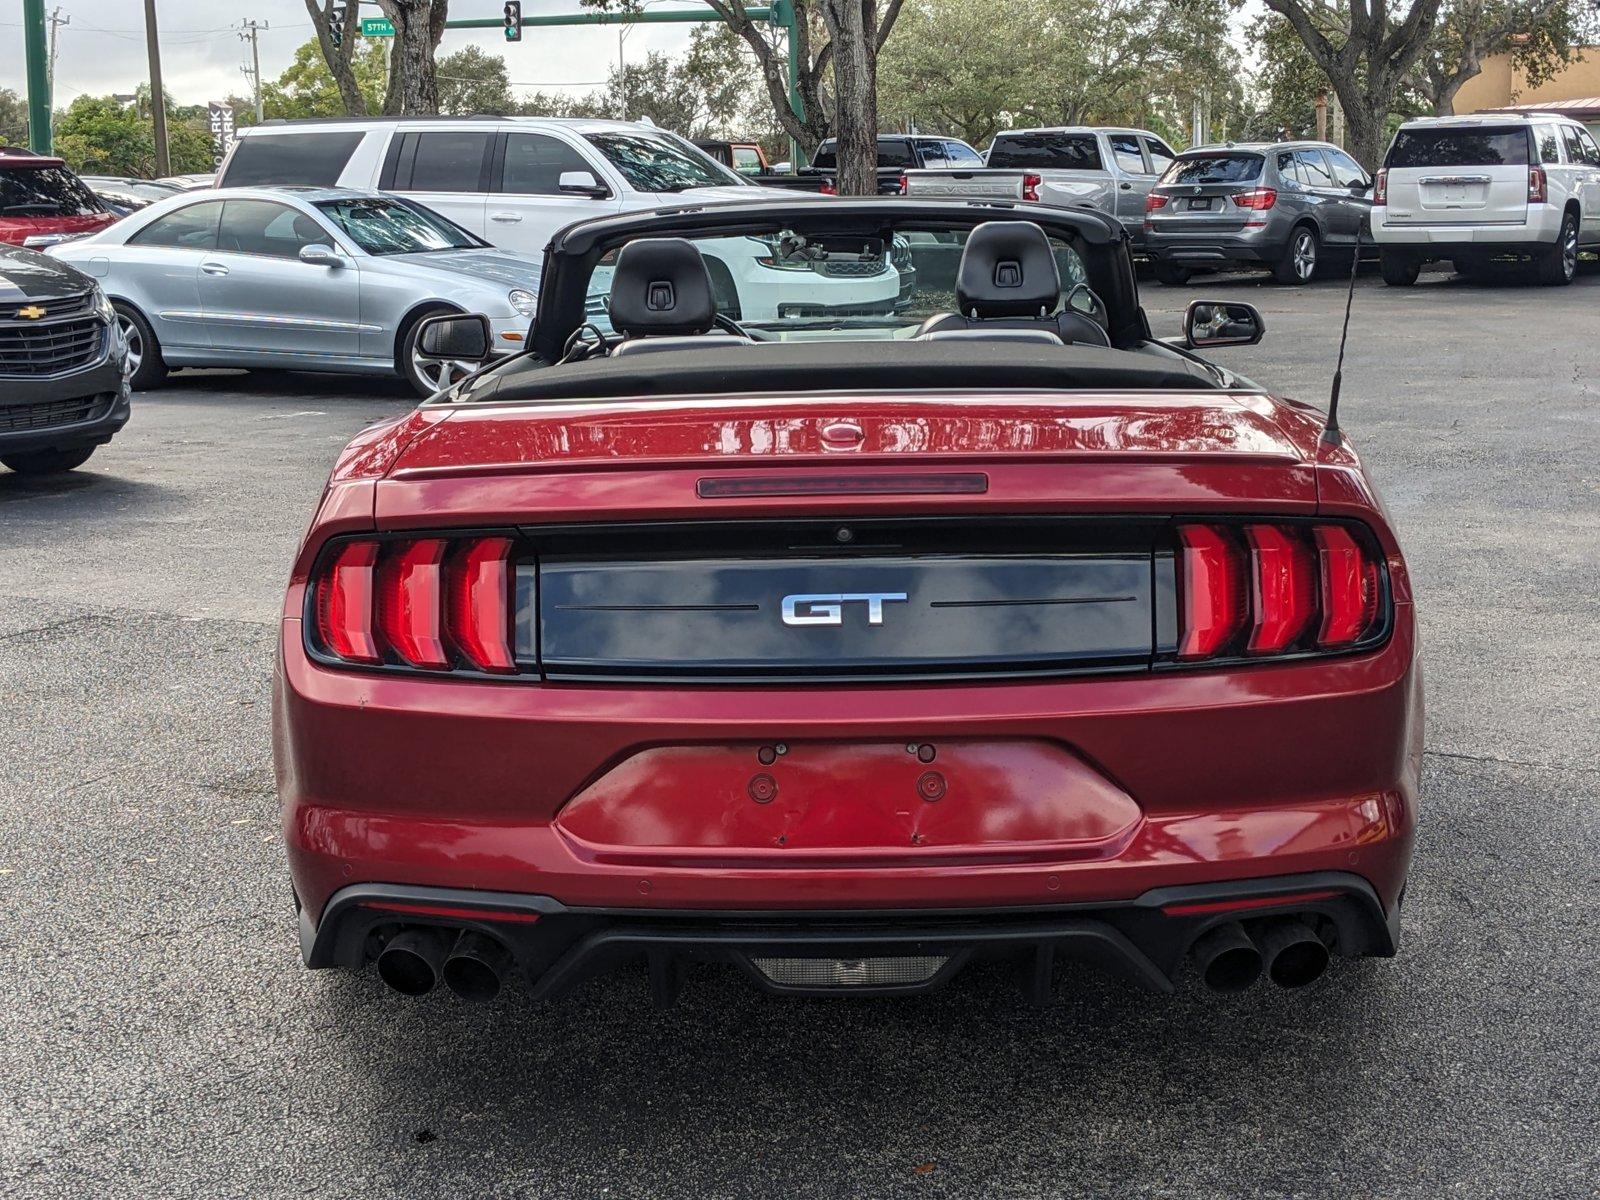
{"points": [[1230, 959], [411, 961]]}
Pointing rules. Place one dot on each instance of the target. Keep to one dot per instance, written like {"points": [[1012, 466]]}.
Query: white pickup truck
{"points": [[1106, 169]]}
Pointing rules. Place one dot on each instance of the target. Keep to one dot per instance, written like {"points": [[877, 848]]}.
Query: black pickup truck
{"points": [[898, 153]]}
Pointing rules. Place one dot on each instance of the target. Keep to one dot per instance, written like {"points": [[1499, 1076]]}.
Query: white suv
{"points": [[515, 181], [1474, 188]]}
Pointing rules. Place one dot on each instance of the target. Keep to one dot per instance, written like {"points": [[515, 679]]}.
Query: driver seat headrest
{"points": [[660, 286], [1007, 270]]}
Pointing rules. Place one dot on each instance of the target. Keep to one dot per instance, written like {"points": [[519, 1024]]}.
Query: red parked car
{"points": [[42, 202], [845, 649]]}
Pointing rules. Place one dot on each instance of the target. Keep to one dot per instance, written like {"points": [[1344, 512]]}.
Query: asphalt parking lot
{"points": [[160, 1036]]}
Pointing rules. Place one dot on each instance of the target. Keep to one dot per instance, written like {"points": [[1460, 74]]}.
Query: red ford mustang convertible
{"points": [[951, 620]]}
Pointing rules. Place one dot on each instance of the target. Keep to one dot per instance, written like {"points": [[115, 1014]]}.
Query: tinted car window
{"points": [[933, 155], [1574, 146], [1313, 171], [446, 161], [534, 163], [1459, 148], [191, 228], [308, 159], [1591, 152], [45, 192], [962, 155], [1045, 151], [1287, 172], [1548, 143], [1125, 149], [892, 152], [1347, 172], [1215, 168], [262, 227]]}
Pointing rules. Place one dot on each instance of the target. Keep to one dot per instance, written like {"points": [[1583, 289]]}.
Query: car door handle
{"points": [[509, 218], [214, 268], [1127, 187]]}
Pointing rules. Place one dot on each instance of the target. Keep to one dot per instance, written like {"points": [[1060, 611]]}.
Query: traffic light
{"points": [[513, 20], [336, 16]]}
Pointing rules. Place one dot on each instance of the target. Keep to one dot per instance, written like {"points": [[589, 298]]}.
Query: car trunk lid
{"points": [[1458, 175]]}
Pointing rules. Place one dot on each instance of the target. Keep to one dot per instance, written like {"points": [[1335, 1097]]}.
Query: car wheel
{"points": [[1171, 273], [47, 462], [146, 367], [1559, 264], [428, 376], [1398, 270], [1300, 257]]}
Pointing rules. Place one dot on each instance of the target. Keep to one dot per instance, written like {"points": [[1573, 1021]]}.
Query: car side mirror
{"points": [[455, 337], [1360, 189], [582, 183], [1221, 323], [319, 254]]}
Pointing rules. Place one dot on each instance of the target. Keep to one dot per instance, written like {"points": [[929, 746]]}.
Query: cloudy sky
{"points": [[103, 49]]}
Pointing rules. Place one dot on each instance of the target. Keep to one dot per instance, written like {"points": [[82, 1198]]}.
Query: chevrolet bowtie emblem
{"points": [[32, 311]]}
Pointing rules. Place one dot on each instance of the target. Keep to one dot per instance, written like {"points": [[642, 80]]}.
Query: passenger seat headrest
{"points": [[661, 287], [1007, 270]]}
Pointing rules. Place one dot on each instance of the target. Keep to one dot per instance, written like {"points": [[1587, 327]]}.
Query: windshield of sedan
{"points": [[383, 226], [657, 163], [785, 286]]}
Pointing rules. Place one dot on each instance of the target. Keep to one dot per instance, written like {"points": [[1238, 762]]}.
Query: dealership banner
{"points": [[219, 119]]}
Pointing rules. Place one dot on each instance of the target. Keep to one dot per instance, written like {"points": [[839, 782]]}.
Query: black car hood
{"points": [[29, 275]]}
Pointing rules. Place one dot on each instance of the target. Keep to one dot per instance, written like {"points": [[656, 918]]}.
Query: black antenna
{"points": [[1330, 432]]}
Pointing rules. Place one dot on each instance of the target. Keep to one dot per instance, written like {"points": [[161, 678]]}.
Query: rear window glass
{"points": [[1215, 168], [1046, 151], [45, 192], [1459, 148], [305, 159], [895, 152]]}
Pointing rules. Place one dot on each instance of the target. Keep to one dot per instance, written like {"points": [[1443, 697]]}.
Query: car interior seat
{"points": [[1008, 284], [661, 299]]}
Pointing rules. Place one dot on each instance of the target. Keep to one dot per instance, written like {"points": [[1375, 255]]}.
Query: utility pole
{"points": [[158, 99], [56, 21], [33, 40], [249, 31]]}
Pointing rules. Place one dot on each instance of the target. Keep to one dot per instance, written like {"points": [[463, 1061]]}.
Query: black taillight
{"points": [[427, 603], [1264, 589]]}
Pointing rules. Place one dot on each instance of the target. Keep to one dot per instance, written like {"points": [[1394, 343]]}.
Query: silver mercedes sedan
{"points": [[311, 279]]}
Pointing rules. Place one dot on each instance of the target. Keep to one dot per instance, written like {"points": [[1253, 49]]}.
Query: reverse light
{"points": [[432, 603], [1030, 185], [1538, 186], [1380, 187], [1268, 589]]}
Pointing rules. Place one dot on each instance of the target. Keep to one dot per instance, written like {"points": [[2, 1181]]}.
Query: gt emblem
{"points": [[828, 608], [31, 311]]}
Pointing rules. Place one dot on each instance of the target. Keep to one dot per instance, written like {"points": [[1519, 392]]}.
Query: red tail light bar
{"points": [[427, 603], [1259, 589], [1538, 187], [1380, 186]]}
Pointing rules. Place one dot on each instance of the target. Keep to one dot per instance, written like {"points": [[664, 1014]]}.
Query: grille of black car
{"points": [[65, 337], [15, 418]]}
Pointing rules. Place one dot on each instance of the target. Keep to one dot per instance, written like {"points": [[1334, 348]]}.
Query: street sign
{"points": [[377, 27]]}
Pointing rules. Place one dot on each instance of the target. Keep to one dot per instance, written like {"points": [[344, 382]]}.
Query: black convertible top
{"points": [[856, 366]]}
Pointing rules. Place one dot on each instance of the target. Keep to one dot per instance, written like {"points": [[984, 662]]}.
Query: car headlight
{"points": [[525, 302], [102, 303]]}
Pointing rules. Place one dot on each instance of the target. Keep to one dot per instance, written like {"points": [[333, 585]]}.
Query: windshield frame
{"points": [[324, 211], [1100, 241]]}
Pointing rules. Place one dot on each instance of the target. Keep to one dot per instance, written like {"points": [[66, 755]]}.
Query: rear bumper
{"points": [[1534, 235], [1259, 245], [1241, 773], [1143, 940]]}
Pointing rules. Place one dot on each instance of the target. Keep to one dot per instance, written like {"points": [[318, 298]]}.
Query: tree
{"points": [[471, 81], [1367, 53], [1287, 84], [101, 135], [340, 60], [13, 119], [1539, 34], [308, 89], [418, 28], [698, 94]]}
